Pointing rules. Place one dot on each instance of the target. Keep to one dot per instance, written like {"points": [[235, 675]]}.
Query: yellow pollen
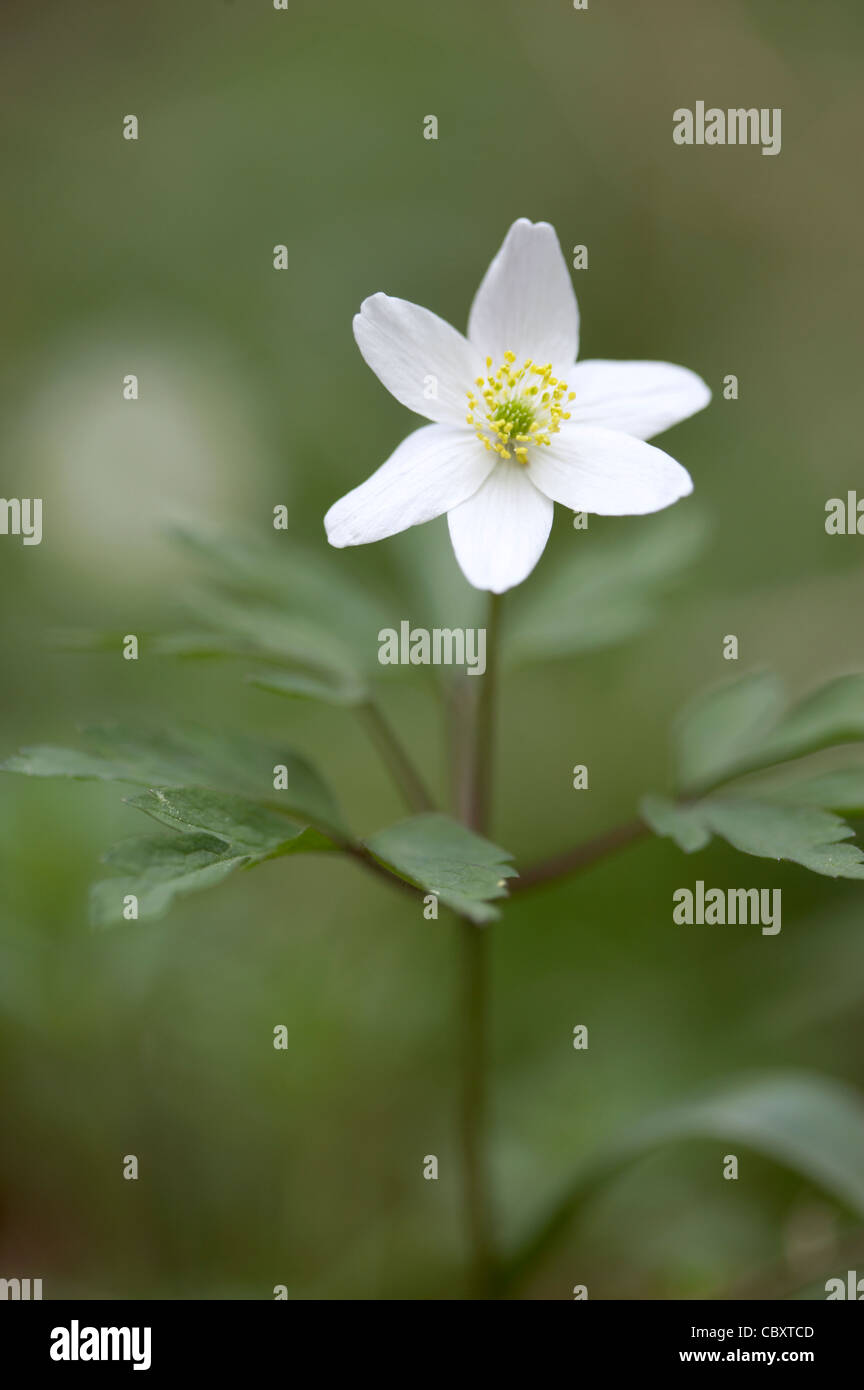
{"points": [[509, 417]]}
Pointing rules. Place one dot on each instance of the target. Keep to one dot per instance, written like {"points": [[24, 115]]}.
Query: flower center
{"points": [[517, 406]]}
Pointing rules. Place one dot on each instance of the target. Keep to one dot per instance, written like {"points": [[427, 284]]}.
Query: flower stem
{"points": [[474, 784], [479, 712], [393, 754], [475, 998]]}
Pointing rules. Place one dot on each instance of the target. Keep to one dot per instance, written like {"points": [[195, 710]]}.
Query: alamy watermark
{"points": [[442, 646], [719, 906], [845, 516], [20, 1290], [850, 1287], [76, 1343], [21, 516], [735, 126]]}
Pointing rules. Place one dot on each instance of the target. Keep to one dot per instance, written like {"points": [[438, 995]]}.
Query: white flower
{"points": [[518, 423]]}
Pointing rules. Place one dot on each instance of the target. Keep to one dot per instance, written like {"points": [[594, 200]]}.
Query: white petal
{"points": [[526, 302], [640, 398], [423, 362], [501, 532], [607, 472], [434, 469]]}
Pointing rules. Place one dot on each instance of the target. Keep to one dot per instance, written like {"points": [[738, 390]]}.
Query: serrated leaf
{"points": [[604, 591], [717, 732], [246, 826], [218, 835], [438, 854], [157, 869], [189, 757], [804, 835], [810, 1124]]}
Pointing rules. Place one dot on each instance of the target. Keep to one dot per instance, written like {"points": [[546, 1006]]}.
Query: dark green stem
{"points": [[474, 782], [582, 857], [400, 766], [475, 998]]}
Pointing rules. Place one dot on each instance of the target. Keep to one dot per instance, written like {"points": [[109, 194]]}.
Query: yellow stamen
{"points": [[513, 415]]}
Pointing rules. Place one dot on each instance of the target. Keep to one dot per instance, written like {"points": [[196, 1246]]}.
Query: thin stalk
{"points": [[476, 786], [362, 855], [476, 741], [582, 857], [396, 759], [474, 1107], [619, 837]]}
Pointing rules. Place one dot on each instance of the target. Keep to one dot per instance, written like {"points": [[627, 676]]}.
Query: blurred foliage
{"points": [[744, 727], [305, 127]]}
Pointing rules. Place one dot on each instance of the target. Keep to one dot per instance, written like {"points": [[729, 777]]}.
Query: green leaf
{"points": [[318, 668], [805, 835], [605, 591], [676, 822], [255, 629], [191, 757], [219, 834], [44, 760], [743, 726], [197, 646], [183, 644], [157, 869], [828, 716], [247, 827], [332, 690], [810, 1124], [85, 640], [293, 580], [841, 791], [718, 731], [438, 854]]}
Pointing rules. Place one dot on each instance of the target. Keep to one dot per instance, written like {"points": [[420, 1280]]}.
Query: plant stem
{"points": [[399, 764], [581, 857], [619, 837], [475, 796], [474, 784], [475, 998], [362, 855]]}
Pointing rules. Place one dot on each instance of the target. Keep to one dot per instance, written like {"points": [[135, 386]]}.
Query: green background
{"points": [[304, 127]]}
